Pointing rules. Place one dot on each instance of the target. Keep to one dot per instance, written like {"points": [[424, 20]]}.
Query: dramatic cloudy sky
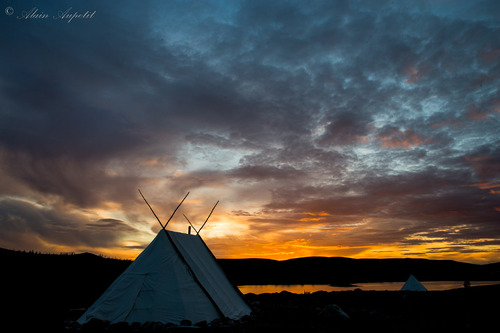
{"points": [[329, 128]]}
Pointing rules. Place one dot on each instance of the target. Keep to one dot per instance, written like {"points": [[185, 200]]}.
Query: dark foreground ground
{"points": [[461, 310], [475, 309], [46, 293]]}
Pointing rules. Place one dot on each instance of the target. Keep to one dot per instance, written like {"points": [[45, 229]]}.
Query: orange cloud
{"points": [[364, 139], [490, 56], [486, 186], [496, 105], [412, 74], [281, 249], [310, 219], [447, 122], [476, 114], [477, 158], [490, 186], [483, 79], [304, 247], [401, 139], [486, 166], [314, 216]]}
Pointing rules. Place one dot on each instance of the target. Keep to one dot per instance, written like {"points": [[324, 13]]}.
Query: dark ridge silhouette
{"points": [[43, 291], [345, 271], [43, 288], [98, 271]]}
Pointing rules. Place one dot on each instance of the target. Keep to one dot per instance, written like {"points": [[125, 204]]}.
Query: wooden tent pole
{"points": [[151, 209], [208, 217], [192, 226], [175, 210], [162, 226]]}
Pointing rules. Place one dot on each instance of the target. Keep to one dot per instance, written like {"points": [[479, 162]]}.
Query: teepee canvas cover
{"points": [[175, 278], [412, 284]]}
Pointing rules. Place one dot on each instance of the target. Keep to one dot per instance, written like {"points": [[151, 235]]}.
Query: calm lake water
{"points": [[380, 286]]}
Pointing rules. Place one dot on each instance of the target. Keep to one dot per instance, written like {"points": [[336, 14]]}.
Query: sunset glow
{"points": [[327, 128]]}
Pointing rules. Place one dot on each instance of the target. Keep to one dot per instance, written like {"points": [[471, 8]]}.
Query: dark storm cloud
{"points": [[422, 200], [345, 127], [64, 117], [81, 102], [266, 172], [381, 110], [485, 161], [26, 225], [110, 224], [78, 181]]}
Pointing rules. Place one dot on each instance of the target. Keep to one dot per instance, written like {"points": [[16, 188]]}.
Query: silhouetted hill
{"points": [[323, 270], [89, 274], [43, 287], [43, 290]]}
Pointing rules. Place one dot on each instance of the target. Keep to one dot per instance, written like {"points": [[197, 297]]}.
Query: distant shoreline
{"points": [[55, 285], [335, 271], [382, 286], [368, 311]]}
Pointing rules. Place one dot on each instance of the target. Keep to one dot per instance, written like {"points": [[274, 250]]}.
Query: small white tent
{"points": [[412, 284], [175, 278]]}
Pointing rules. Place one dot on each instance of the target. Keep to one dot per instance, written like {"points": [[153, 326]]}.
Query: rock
{"points": [[135, 326], [333, 312], [186, 322], [202, 324], [95, 325], [119, 327], [73, 326], [152, 326]]}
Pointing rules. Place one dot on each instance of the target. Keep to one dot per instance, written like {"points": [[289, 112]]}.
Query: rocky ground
{"points": [[46, 293], [461, 310]]}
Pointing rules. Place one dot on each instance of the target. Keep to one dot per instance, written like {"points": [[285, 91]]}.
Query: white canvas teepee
{"points": [[412, 284], [175, 278]]}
